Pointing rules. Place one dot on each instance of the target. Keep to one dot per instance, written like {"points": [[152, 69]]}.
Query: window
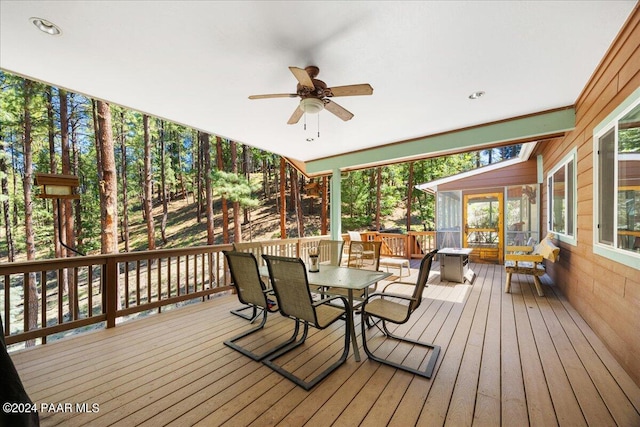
{"points": [[617, 190], [561, 210]]}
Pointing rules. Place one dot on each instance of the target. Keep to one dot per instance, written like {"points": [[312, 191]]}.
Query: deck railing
{"points": [[415, 244], [46, 297]]}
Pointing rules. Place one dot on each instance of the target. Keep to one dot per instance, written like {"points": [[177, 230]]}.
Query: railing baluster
{"points": [[60, 292], [169, 277], [25, 302], [126, 284], [138, 282], [186, 270], [178, 284], [7, 304], [43, 298], [148, 280], [195, 273], [90, 291]]}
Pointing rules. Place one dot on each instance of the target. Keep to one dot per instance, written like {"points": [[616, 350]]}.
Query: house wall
{"points": [[521, 173], [606, 293]]}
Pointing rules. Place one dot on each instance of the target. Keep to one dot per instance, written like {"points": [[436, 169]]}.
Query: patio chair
{"points": [[291, 286], [253, 293], [357, 252], [256, 249], [330, 252], [397, 309]]}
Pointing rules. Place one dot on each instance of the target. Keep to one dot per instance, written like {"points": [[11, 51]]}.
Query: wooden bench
{"points": [[529, 260], [395, 263]]}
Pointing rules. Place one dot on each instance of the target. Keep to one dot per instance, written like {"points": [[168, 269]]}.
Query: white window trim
{"points": [[628, 258], [564, 237]]}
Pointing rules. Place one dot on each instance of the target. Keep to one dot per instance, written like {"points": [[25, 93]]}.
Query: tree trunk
{"points": [[245, 171], [109, 181], [225, 212], [4, 188], [198, 197], [237, 228], [66, 169], [53, 168], [283, 199], [76, 171], [14, 164], [125, 198], [266, 188], [295, 197], [148, 185], [163, 185], [208, 190], [31, 288], [409, 196], [66, 212]]}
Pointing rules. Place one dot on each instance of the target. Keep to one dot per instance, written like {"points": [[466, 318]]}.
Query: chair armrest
{"points": [[388, 294], [399, 282]]}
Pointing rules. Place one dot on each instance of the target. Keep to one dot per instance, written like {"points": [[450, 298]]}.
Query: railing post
{"points": [[111, 291]]}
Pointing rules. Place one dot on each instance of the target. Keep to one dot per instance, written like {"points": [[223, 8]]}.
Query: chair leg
{"points": [[258, 357], [428, 371], [536, 280], [308, 385], [507, 287], [251, 318]]}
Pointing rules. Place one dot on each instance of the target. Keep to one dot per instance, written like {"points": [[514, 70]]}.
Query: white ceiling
{"points": [[196, 62]]}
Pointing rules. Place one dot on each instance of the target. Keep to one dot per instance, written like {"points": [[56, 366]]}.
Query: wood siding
{"points": [[518, 174], [605, 293]]}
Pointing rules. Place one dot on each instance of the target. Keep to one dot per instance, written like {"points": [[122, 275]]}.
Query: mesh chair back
{"points": [[354, 236], [289, 282], [330, 251], [246, 277], [423, 276]]}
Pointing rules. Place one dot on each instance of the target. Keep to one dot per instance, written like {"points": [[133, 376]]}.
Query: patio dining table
{"points": [[351, 279]]}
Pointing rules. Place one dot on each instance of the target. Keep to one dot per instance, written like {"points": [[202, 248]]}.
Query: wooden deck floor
{"points": [[507, 359]]}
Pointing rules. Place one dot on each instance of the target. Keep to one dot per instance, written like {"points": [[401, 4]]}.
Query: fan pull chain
{"points": [[305, 121], [318, 125]]}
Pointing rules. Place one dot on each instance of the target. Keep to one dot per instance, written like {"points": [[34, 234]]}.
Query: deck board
{"points": [[506, 359]]}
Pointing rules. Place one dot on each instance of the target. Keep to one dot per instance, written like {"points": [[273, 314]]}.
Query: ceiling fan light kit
{"points": [[315, 94], [311, 105]]}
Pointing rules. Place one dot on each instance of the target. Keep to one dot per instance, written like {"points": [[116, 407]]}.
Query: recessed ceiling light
{"points": [[476, 95], [46, 26]]}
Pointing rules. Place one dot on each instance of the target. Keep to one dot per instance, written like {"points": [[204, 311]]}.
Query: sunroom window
{"points": [[561, 201], [618, 186]]}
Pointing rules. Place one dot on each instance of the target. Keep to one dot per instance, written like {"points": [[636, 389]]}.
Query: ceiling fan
{"points": [[314, 94]]}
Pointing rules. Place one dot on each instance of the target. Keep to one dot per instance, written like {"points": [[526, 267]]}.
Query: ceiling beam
{"points": [[525, 128]]}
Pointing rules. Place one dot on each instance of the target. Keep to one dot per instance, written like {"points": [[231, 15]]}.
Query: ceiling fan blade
{"points": [[274, 95], [351, 90], [302, 76], [295, 117], [339, 111]]}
